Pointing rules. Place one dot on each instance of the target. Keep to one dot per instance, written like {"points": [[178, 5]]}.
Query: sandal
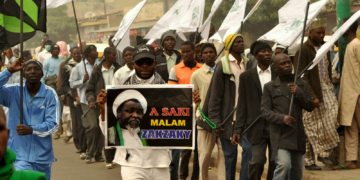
{"points": [[341, 167], [67, 139]]}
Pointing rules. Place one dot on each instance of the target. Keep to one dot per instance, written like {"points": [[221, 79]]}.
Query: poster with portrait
{"points": [[150, 117]]}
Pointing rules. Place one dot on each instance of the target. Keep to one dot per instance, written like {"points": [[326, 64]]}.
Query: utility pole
{"points": [[343, 10], [104, 7]]}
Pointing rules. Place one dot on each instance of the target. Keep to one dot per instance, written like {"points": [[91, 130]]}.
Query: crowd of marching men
{"points": [[68, 87]]}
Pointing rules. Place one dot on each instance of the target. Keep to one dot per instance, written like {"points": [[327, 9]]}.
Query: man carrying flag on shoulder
{"points": [[31, 141]]}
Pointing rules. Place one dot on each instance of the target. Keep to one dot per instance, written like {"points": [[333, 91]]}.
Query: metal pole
{"points": [[21, 61], [298, 63], [247, 128], [196, 34], [104, 7], [343, 10], [78, 31]]}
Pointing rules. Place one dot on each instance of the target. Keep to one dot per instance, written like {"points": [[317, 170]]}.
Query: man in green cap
{"points": [[321, 124], [79, 78]]}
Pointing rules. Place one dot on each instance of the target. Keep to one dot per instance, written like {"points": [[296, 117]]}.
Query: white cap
{"points": [[127, 95]]}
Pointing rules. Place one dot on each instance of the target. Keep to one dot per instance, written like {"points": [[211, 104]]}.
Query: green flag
{"points": [[34, 18]]}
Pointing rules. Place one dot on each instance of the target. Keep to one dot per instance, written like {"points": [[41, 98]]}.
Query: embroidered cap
{"points": [[143, 51], [127, 95]]}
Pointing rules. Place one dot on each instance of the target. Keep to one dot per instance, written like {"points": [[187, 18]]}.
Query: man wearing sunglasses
{"points": [[144, 64], [145, 164]]}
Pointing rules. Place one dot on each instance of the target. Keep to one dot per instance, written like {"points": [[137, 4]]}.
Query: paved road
{"points": [[70, 167]]}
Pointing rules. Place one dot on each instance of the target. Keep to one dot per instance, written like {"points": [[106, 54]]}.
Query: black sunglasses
{"points": [[148, 62]]}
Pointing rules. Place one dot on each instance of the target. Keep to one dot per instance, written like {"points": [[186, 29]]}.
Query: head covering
{"points": [[73, 45], [229, 40], [127, 95], [128, 48], [87, 49], [279, 46], [205, 45], [165, 35], [143, 51], [53, 46], [34, 62], [257, 46], [317, 23], [63, 48]]}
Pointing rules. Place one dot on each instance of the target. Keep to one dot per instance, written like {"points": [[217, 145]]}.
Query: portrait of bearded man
{"points": [[129, 108]]}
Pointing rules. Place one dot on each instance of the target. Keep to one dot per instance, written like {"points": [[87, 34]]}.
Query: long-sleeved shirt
{"points": [[44, 56], [121, 75], [77, 77], [51, 67], [41, 112]]}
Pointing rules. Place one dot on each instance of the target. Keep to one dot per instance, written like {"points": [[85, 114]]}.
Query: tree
{"points": [[60, 27]]}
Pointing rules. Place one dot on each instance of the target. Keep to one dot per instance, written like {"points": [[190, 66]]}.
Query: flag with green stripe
{"points": [[34, 18]]}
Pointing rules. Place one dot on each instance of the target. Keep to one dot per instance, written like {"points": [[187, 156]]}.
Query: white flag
{"points": [[205, 28], [232, 21], [55, 3], [291, 21], [192, 18], [125, 41], [325, 47], [170, 20], [125, 24]]}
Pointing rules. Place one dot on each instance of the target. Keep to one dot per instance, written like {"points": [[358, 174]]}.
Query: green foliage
{"points": [[59, 26]]}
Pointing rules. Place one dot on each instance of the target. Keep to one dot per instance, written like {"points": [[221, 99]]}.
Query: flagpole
{"points": [[21, 61], [196, 34], [298, 63], [78, 31]]}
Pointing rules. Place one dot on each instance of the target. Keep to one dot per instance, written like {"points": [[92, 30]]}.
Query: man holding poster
{"points": [[131, 106]]}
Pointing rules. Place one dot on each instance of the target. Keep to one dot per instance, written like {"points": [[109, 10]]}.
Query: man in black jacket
{"points": [[287, 133], [169, 58], [250, 91], [101, 76]]}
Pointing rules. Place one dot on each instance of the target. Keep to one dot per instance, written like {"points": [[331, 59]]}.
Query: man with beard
{"points": [[129, 107], [41, 108], [321, 124], [146, 164], [169, 58], [78, 130]]}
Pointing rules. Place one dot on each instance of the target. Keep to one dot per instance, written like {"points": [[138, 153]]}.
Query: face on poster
{"points": [[150, 117]]}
